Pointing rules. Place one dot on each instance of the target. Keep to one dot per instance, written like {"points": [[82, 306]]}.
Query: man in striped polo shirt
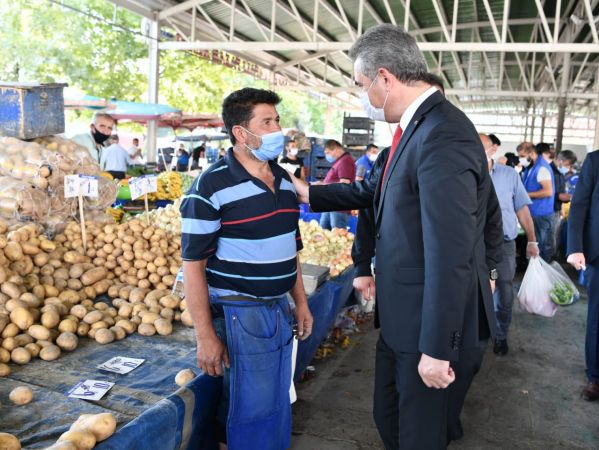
{"points": [[240, 239]]}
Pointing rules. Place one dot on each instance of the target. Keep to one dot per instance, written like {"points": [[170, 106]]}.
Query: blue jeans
{"points": [[329, 220], [544, 233], [592, 333], [503, 298], [255, 402]]}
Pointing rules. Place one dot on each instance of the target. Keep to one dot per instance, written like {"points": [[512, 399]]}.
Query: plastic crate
{"points": [[31, 110]]}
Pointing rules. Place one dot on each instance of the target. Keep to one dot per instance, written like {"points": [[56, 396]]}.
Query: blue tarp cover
{"points": [[152, 411]]}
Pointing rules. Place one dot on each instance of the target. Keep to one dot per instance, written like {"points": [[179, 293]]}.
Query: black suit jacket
{"points": [[431, 215], [583, 219]]}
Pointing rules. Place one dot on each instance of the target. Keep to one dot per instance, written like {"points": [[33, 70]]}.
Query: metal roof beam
{"points": [[589, 11], [544, 21], [134, 7], [181, 7], [303, 59], [424, 46]]}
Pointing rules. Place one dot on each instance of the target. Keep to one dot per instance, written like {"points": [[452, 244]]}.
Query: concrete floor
{"points": [[529, 399]]}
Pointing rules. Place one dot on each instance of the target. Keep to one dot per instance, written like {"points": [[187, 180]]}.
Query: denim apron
{"points": [[259, 340]]}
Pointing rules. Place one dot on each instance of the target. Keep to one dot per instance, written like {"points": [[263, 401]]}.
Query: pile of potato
{"points": [[48, 288]]}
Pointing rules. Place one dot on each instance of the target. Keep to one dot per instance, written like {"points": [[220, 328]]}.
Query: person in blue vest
{"points": [[539, 183], [365, 163]]}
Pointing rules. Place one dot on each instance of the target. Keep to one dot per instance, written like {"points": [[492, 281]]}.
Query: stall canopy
{"points": [[141, 112], [189, 121]]}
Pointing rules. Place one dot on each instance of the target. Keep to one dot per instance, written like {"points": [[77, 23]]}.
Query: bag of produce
{"points": [[543, 288], [107, 190], [564, 291], [20, 201], [84, 163]]}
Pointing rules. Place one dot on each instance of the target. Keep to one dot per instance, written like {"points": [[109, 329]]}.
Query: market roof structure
{"points": [[511, 60]]}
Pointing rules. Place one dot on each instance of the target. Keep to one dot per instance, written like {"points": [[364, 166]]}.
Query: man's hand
{"points": [[492, 282], [577, 260], [211, 355], [366, 287], [532, 249], [302, 189], [304, 319], [435, 373]]}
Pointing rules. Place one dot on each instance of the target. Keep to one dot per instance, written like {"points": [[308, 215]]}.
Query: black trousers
{"points": [[411, 416], [117, 174]]}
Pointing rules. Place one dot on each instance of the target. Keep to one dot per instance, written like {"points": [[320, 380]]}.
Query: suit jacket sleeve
{"points": [[363, 249], [448, 175], [341, 197], [580, 206], [493, 230]]}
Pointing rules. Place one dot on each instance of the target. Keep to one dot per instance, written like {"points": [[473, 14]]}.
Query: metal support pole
{"points": [[154, 57], [543, 118], [562, 102], [526, 116], [532, 122]]}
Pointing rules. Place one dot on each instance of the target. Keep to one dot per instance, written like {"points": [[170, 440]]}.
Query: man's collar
{"points": [[408, 114], [239, 172]]}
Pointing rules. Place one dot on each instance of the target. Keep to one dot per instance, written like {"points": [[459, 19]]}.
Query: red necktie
{"points": [[396, 138]]}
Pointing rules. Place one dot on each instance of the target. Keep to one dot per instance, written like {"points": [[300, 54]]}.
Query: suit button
{"points": [[378, 235]]}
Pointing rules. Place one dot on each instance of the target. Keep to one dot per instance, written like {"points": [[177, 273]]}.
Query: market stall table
{"points": [[156, 413]]}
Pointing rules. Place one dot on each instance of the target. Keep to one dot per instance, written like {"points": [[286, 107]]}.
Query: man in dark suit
{"points": [[583, 251], [431, 216]]}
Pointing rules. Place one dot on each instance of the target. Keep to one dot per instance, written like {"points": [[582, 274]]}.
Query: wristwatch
{"points": [[493, 275]]}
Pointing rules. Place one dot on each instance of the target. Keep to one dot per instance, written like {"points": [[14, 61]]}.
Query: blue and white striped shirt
{"points": [[248, 234]]}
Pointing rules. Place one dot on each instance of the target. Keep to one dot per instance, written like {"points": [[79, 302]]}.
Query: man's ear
{"points": [[239, 134]]}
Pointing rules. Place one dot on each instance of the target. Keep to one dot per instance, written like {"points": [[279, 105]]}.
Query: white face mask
{"points": [[293, 151], [373, 156], [372, 112], [524, 162]]}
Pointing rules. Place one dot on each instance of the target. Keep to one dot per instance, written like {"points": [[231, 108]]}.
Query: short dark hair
{"points": [[542, 147], [494, 139], [238, 107], [332, 143], [525, 147], [512, 160], [568, 155], [135, 139], [371, 146]]}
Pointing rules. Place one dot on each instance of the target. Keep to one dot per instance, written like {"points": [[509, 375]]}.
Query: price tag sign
{"points": [[90, 389], [84, 185], [145, 184], [136, 186], [151, 183], [121, 364]]}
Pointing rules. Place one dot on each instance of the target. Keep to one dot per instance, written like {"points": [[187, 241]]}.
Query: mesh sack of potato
{"points": [[84, 163], [33, 163], [21, 201], [107, 190]]}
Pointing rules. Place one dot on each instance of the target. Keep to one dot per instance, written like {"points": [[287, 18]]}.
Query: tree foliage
{"points": [[98, 48]]}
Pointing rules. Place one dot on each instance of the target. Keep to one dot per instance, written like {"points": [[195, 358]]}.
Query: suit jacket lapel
{"points": [[428, 104]]}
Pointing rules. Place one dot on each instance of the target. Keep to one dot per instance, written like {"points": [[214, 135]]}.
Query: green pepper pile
{"points": [[562, 294]]}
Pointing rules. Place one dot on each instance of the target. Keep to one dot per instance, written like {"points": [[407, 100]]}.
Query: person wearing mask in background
{"points": [[538, 181], [365, 163], [566, 161], [239, 242], [115, 159], [523, 151], [182, 159], [514, 202], [559, 188], [293, 163], [196, 154], [135, 153], [343, 170], [95, 140], [583, 251]]}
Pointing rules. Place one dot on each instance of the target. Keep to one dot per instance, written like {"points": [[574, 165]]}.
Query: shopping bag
{"points": [[537, 284], [564, 291]]}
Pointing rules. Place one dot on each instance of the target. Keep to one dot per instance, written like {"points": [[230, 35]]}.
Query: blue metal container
{"points": [[31, 110]]}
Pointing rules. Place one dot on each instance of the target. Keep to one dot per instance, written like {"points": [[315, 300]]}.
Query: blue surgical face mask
{"points": [[271, 147], [330, 158], [563, 170]]}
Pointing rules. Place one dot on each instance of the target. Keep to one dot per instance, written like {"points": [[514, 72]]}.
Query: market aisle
{"points": [[529, 399]]}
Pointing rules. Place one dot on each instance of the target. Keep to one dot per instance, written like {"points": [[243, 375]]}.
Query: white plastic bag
{"points": [[564, 293], [537, 284]]}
